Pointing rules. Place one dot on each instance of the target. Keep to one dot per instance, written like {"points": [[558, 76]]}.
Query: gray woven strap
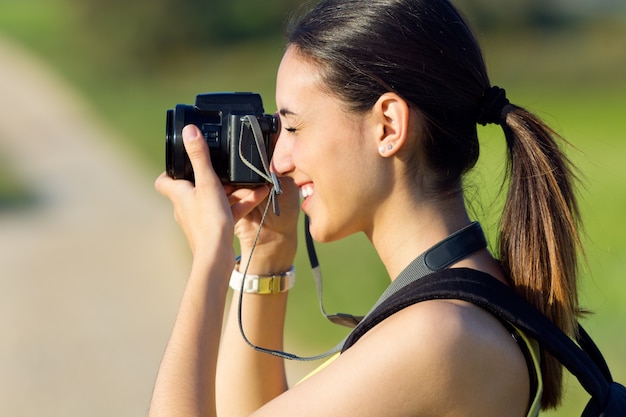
{"points": [[449, 251]]}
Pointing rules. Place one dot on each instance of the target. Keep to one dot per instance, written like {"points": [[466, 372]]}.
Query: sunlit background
{"points": [[92, 265]]}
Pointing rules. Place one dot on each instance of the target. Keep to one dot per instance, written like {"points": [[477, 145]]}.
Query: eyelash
{"points": [[290, 129]]}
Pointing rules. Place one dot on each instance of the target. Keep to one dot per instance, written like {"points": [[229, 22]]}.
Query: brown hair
{"points": [[424, 51], [539, 241]]}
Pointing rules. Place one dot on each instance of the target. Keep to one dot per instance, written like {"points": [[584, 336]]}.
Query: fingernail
{"points": [[190, 132]]}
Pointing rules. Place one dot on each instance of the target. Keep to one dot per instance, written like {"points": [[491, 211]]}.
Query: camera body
{"points": [[222, 119]]}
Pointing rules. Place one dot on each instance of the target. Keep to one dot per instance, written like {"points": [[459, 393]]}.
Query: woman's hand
{"points": [[204, 211], [276, 246]]}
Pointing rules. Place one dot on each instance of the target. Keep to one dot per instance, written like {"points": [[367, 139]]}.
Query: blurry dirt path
{"points": [[90, 276]]}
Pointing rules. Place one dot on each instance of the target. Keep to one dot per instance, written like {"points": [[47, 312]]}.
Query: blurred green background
{"points": [[565, 60]]}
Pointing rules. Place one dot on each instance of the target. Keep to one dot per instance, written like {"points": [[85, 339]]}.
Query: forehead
{"points": [[298, 77]]}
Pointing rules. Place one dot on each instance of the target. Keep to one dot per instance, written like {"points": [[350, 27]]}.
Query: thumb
{"points": [[198, 152]]}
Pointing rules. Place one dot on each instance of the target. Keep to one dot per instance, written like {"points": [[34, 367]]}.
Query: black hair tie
{"points": [[491, 106]]}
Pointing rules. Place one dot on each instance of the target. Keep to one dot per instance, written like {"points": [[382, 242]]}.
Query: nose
{"points": [[282, 162]]}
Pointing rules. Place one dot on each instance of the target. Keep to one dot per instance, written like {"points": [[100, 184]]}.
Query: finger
{"points": [[229, 189], [163, 184], [244, 201], [199, 156], [235, 193], [250, 192]]}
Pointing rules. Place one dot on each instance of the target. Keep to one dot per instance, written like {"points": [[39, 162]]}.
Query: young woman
{"points": [[379, 102]]}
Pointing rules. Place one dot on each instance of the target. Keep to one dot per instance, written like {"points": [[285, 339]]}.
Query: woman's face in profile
{"points": [[328, 151]]}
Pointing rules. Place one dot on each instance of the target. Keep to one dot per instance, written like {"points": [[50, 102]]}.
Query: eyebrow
{"points": [[286, 112]]}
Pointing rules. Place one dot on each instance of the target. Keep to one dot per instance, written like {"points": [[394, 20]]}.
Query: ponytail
{"points": [[539, 242]]}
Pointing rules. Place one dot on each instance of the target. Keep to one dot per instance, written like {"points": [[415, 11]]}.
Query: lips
{"points": [[306, 191]]}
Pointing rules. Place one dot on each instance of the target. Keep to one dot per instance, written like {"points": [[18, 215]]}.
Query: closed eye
{"points": [[290, 129]]}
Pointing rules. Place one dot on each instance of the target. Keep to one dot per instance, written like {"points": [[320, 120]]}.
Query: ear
{"points": [[391, 114]]}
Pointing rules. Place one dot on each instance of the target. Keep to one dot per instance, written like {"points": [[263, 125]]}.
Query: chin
{"points": [[326, 234]]}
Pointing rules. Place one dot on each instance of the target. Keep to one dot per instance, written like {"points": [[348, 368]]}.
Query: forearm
{"points": [[185, 384], [248, 379]]}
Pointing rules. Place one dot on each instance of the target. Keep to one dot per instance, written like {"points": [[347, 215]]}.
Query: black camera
{"points": [[235, 128]]}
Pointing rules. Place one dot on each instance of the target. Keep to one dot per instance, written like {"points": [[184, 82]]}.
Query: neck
{"points": [[407, 229]]}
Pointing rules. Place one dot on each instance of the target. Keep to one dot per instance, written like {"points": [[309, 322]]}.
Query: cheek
{"points": [[368, 173], [313, 151], [337, 150]]}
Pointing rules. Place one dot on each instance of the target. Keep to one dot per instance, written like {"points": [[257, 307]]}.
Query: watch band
{"points": [[263, 284]]}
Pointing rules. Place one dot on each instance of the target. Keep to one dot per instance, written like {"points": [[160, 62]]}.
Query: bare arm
{"points": [[247, 379], [186, 383]]}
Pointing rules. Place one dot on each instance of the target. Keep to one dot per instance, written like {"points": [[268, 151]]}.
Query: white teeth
{"points": [[306, 191]]}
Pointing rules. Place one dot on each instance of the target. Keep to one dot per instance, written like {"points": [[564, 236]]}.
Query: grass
{"points": [[573, 80]]}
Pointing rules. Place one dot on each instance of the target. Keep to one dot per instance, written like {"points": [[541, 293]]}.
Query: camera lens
{"points": [[177, 164], [169, 152]]}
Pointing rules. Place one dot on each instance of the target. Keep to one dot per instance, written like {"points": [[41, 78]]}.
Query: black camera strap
{"points": [[452, 249]]}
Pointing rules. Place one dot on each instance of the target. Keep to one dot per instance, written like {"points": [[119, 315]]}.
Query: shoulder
{"points": [[444, 358], [467, 356]]}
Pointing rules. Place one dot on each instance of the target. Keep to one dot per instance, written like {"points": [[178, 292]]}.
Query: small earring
{"points": [[382, 149]]}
